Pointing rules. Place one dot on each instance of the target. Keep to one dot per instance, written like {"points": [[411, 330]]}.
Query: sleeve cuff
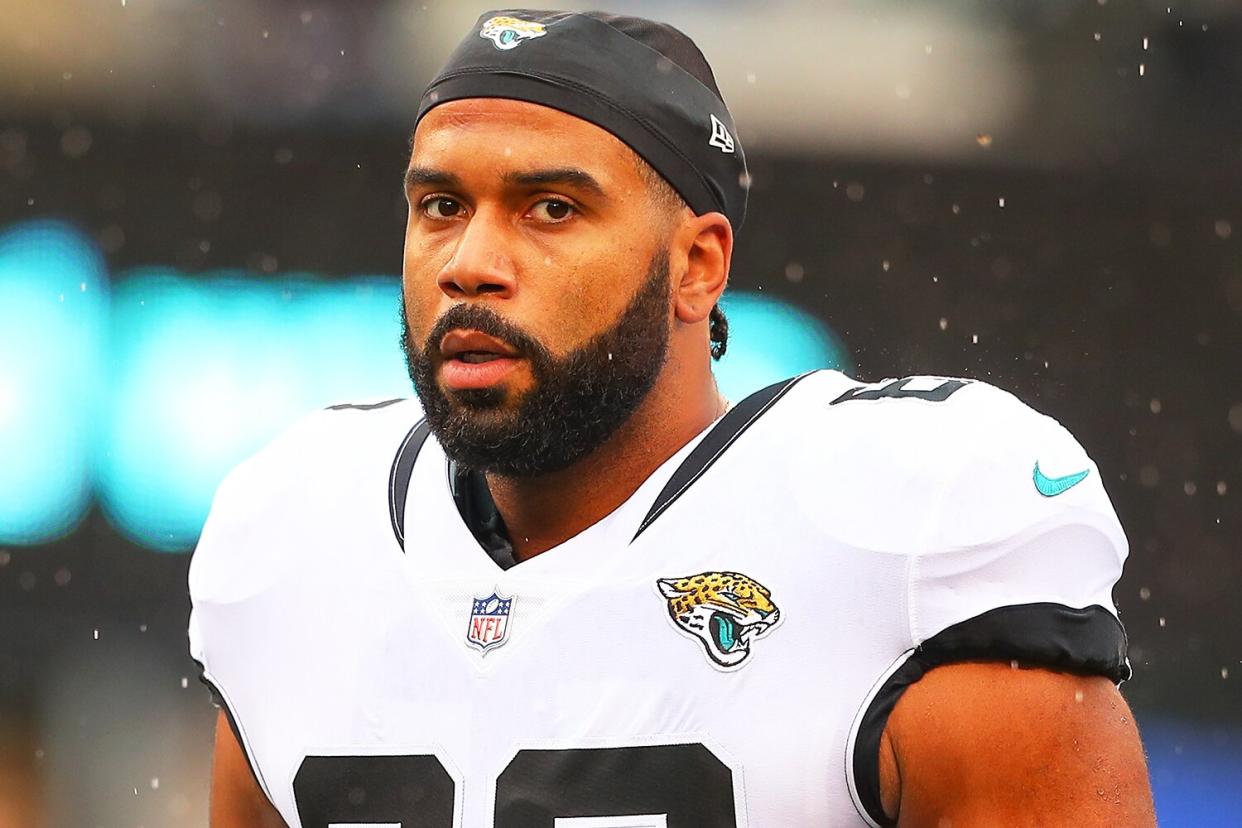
{"points": [[1088, 641]]}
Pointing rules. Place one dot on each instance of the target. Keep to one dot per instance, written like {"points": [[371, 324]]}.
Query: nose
{"points": [[479, 265]]}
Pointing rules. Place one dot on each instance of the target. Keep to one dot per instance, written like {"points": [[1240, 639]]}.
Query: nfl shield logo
{"points": [[489, 622]]}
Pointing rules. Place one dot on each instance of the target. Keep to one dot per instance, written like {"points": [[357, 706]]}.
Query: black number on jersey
{"points": [[686, 784], [896, 390], [678, 786], [413, 791]]}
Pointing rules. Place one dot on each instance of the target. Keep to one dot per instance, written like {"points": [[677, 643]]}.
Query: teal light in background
{"points": [[53, 305], [154, 396], [770, 340], [206, 371]]}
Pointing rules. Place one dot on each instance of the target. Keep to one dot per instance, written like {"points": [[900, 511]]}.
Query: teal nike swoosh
{"points": [[1053, 486]]}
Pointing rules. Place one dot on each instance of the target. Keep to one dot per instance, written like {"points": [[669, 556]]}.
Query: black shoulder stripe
{"points": [[364, 406], [217, 698], [399, 477], [725, 433], [1088, 641]]}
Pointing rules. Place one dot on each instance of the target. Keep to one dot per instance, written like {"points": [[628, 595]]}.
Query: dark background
{"points": [[1106, 292]]}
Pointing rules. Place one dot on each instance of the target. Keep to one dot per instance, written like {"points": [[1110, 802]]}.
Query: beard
{"points": [[577, 401]]}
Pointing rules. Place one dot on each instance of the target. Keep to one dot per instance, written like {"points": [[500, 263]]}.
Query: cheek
{"points": [[420, 290], [574, 302], [419, 306]]}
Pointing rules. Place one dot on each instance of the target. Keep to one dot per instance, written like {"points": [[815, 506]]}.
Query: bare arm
{"points": [[237, 801], [986, 744]]}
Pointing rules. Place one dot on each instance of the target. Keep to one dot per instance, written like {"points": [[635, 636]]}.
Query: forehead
{"points": [[482, 131]]}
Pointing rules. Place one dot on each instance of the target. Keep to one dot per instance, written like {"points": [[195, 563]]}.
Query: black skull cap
{"points": [[643, 81]]}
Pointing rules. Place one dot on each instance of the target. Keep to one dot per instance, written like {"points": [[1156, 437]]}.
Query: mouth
{"points": [[472, 359]]}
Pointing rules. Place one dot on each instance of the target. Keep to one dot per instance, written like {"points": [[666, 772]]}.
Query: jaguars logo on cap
{"points": [[509, 32], [723, 611]]}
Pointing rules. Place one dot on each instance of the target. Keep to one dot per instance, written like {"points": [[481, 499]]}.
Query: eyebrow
{"points": [[573, 176], [583, 180], [426, 177]]}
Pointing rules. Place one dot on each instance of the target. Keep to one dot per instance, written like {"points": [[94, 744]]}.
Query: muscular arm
{"points": [[985, 744], [237, 801]]}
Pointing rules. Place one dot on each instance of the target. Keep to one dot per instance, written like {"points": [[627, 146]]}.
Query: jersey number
{"points": [[653, 786], [897, 390]]}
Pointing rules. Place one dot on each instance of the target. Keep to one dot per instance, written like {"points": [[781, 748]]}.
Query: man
{"points": [[576, 589]]}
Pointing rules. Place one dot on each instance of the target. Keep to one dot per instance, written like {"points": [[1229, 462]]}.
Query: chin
{"points": [[492, 398]]}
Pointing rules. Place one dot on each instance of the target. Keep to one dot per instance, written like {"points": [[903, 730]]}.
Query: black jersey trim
{"points": [[724, 434], [364, 406], [218, 699], [399, 477], [1089, 641]]}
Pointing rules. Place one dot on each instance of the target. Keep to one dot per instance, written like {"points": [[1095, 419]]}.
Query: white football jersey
{"points": [[722, 650]]}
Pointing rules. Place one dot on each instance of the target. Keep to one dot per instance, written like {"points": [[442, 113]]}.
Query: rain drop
{"points": [[1144, 593], [944, 323]]}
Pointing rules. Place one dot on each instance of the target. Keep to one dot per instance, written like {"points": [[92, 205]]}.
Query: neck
{"points": [[548, 510]]}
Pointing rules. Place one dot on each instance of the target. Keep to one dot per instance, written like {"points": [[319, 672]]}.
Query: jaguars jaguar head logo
{"points": [[509, 32], [724, 611]]}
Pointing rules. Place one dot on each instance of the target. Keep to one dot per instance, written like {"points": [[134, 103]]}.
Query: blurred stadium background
{"points": [[200, 237]]}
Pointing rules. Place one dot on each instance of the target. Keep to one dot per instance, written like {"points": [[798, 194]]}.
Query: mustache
{"points": [[486, 321]]}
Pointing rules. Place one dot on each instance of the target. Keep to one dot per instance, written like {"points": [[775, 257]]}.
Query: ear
{"points": [[702, 252], [667, 589]]}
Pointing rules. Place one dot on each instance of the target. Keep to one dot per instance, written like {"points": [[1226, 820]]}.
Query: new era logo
{"points": [[720, 136]]}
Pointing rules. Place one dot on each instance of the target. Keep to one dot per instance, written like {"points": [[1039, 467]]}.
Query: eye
{"points": [[552, 210], [441, 207]]}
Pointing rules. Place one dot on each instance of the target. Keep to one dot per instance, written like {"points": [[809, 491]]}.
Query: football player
{"points": [[572, 587]]}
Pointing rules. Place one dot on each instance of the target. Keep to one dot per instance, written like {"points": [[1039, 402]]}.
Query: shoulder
{"points": [[306, 467], [927, 462], [909, 410]]}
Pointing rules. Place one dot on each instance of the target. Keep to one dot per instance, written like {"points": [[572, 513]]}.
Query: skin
{"points": [[951, 754], [563, 281]]}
